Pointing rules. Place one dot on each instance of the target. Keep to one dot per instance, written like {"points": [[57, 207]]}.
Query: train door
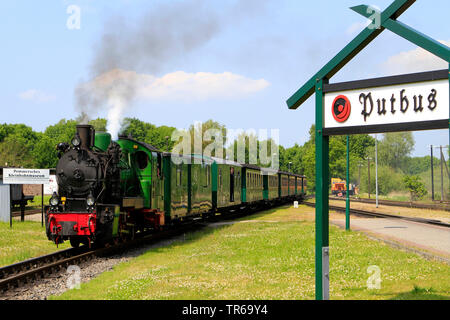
{"points": [[231, 184], [159, 183]]}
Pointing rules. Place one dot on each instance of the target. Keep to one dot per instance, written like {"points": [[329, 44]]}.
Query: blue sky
{"points": [[281, 44]]}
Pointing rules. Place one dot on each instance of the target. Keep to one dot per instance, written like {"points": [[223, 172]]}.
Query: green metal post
{"points": [[322, 185], [347, 203], [42, 205]]}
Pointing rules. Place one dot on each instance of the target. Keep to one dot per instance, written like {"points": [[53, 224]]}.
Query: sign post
{"points": [[322, 185], [422, 105], [26, 176]]}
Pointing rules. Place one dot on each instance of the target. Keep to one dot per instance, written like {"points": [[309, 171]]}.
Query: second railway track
{"points": [[440, 206], [385, 215]]}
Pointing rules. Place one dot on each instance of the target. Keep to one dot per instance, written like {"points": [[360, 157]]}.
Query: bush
{"points": [[415, 186]]}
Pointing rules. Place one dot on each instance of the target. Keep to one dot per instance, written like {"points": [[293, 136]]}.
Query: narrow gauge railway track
{"points": [[28, 271], [385, 215], [443, 206]]}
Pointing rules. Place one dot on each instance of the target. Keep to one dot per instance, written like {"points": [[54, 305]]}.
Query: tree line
{"points": [[21, 146]]}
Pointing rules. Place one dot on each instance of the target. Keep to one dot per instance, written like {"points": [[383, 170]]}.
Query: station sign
{"points": [[401, 103], [26, 176]]}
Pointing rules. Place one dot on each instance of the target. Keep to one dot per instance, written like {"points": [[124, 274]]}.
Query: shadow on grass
{"points": [[419, 293]]}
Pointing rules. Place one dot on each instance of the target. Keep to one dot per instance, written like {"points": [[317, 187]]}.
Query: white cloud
{"points": [[36, 96], [358, 27], [177, 86], [417, 60], [200, 86]]}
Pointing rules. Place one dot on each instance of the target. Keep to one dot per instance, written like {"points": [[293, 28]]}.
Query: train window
{"points": [[141, 159], [220, 177]]}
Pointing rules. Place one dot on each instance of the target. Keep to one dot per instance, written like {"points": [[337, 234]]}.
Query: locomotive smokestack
{"points": [[86, 133]]}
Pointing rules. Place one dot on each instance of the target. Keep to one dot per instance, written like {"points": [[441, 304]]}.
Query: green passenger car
{"points": [[252, 184], [176, 186]]}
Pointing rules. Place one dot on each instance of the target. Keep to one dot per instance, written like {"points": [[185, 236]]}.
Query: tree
{"points": [[15, 151], [63, 131], [17, 142], [206, 133], [394, 149], [415, 186], [45, 153], [138, 129], [99, 124], [417, 165], [160, 137]]}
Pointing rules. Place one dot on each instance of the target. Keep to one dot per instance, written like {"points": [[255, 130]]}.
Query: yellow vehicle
{"points": [[339, 187]]}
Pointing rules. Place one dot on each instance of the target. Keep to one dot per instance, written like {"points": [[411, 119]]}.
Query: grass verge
{"points": [[23, 241], [267, 256]]}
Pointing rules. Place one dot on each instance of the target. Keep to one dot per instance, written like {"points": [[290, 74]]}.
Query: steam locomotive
{"points": [[112, 191]]}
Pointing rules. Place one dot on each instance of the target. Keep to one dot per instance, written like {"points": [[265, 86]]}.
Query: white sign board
{"points": [[52, 186], [384, 106], [26, 176]]}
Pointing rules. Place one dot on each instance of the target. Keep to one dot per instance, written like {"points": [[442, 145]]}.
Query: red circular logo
{"points": [[341, 108]]}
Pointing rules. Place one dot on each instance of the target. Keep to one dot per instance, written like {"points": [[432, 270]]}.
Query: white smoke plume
{"points": [[165, 33], [161, 35]]}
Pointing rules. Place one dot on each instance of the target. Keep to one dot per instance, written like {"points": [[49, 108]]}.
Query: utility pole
{"points": [[368, 176], [360, 164], [376, 172], [442, 175], [289, 165], [432, 175]]}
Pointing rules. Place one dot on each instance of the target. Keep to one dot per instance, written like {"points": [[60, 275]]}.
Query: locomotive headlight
{"points": [[54, 200], [76, 141], [90, 200]]}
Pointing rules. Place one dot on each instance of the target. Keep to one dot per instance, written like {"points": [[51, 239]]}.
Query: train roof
{"points": [[226, 161], [271, 170]]}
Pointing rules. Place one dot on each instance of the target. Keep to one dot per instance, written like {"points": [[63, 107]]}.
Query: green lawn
{"points": [[267, 256], [37, 201], [23, 241]]}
